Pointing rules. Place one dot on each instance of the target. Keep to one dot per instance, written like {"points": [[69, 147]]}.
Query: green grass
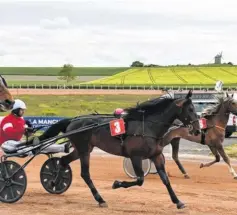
{"points": [[70, 105], [231, 150], [53, 71], [176, 76], [32, 83]]}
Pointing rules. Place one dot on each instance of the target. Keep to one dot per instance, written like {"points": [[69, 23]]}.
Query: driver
{"points": [[13, 127]]}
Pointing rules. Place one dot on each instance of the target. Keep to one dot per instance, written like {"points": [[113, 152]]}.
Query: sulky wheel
{"points": [[13, 182], [128, 168], [55, 178]]}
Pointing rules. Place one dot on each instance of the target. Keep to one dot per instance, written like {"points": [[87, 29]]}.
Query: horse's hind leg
{"points": [[65, 160], [137, 166], [159, 162], [85, 174], [227, 160], [175, 156], [217, 156]]}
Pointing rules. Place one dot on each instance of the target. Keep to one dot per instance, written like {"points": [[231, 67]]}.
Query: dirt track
{"points": [[15, 92], [210, 191]]}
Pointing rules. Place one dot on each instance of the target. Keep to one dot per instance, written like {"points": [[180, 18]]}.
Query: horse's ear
{"points": [[189, 95], [180, 102]]}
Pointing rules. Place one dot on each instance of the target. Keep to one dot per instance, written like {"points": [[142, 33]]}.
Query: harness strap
{"points": [[203, 137], [143, 135], [220, 127], [203, 133]]}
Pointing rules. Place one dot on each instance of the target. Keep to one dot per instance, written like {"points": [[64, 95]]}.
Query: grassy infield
{"points": [[70, 105], [78, 105]]}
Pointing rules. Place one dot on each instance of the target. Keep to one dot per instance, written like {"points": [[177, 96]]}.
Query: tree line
{"points": [[141, 64]]}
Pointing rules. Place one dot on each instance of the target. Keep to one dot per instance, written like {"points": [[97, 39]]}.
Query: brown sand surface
{"points": [[210, 191]]}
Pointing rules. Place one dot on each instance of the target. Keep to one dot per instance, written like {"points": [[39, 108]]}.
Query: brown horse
{"points": [[6, 99], [145, 126], [213, 135]]}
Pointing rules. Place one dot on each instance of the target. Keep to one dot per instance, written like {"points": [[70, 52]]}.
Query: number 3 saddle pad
{"points": [[117, 127]]}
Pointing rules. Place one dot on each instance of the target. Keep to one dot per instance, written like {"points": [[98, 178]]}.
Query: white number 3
{"points": [[117, 127]]}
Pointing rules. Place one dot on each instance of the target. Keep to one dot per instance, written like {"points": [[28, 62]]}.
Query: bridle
{"points": [[188, 123]]}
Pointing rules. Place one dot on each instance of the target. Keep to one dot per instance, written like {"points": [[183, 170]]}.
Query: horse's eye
{"points": [[191, 109]]}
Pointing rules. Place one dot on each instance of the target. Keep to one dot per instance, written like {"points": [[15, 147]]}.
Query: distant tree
{"points": [[66, 73], [151, 65], [230, 63], [137, 64]]}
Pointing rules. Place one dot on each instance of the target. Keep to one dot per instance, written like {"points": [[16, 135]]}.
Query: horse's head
{"points": [[187, 114], [6, 99], [231, 104]]}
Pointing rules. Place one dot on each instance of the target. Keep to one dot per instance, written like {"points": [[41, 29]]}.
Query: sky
{"points": [[116, 32]]}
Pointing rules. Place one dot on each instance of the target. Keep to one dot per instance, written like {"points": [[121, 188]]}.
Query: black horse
{"points": [[145, 126]]}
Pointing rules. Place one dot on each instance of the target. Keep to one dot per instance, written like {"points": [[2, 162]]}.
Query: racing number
{"points": [[117, 127], [203, 123]]}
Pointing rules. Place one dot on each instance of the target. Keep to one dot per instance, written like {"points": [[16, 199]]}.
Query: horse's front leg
{"points": [[217, 156], [227, 160], [137, 166], [159, 161], [175, 156], [85, 174]]}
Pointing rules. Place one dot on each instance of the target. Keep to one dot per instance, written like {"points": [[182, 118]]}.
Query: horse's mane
{"points": [[3, 81], [149, 107], [211, 110]]}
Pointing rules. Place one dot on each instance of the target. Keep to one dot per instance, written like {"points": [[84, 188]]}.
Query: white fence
{"points": [[121, 87]]}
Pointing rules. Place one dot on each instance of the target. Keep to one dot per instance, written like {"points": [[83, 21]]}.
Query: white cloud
{"points": [[115, 33], [2, 52], [56, 23]]}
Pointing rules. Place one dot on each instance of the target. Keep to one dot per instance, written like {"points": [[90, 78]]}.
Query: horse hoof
{"points": [[103, 205], [116, 185], [186, 176], [180, 205], [201, 165]]}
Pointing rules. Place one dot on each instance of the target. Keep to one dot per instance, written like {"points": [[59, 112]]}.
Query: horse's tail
{"points": [[55, 129]]}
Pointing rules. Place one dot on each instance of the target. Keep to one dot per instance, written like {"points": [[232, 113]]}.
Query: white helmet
{"points": [[19, 104]]}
